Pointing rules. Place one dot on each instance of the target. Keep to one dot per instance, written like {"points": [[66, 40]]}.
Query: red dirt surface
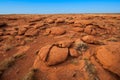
{"points": [[60, 47]]}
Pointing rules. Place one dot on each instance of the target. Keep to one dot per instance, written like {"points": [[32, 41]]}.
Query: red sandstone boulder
{"points": [[57, 55], [64, 44], [69, 21], [60, 20], [56, 31], [44, 51], [90, 39], [90, 29], [31, 32], [38, 25], [73, 52], [22, 30], [50, 21], [109, 57], [2, 24], [78, 29], [1, 32]]}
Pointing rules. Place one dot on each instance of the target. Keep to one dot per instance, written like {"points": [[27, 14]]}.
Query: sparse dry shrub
{"points": [[7, 47], [5, 64], [28, 39], [8, 44], [30, 75], [90, 68], [18, 55], [80, 46], [112, 39]]}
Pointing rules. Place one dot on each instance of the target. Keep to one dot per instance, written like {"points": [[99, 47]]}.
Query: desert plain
{"points": [[60, 47]]}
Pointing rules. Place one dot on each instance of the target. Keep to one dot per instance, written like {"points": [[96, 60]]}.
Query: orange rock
{"points": [[73, 52], [22, 31], [90, 29], [64, 44], [60, 20], [77, 25], [19, 37], [31, 32], [57, 55], [69, 21], [89, 39], [50, 21], [38, 25], [1, 32], [2, 24], [36, 62], [109, 57], [44, 51], [77, 22], [86, 22], [87, 54], [57, 31], [101, 72], [14, 33], [78, 29]]}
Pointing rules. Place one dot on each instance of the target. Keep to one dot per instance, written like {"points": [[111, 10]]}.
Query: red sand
{"points": [[61, 47]]}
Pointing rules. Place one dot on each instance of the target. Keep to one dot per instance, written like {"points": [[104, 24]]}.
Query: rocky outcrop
{"points": [[91, 40], [65, 43], [31, 32], [22, 31], [58, 52], [57, 55], [55, 31], [44, 51], [109, 57], [2, 24]]}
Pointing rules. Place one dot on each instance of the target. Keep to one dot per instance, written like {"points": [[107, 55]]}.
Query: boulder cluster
{"points": [[59, 52]]}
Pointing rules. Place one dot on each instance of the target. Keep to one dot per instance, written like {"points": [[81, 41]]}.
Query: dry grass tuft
{"points": [[74, 61], [90, 68], [5, 64], [30, 75], [80, 47], [19, 55], [7, 47], [29, 39], [112, 39]]}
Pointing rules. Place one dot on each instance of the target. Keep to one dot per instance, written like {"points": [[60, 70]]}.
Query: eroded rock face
{"points": [[21, 31], [1, 32], [73, 52], [31, 32], [57, 55], [101, 72], [69, 21], [52, 55], [57, 31], [44, 51], [90, 29], [38, 25], [80, 46], [64, 44], [78, 29], [50, 21], [59, 52], [90, 39], [60, 20], [2, 24], [109, 57]]}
